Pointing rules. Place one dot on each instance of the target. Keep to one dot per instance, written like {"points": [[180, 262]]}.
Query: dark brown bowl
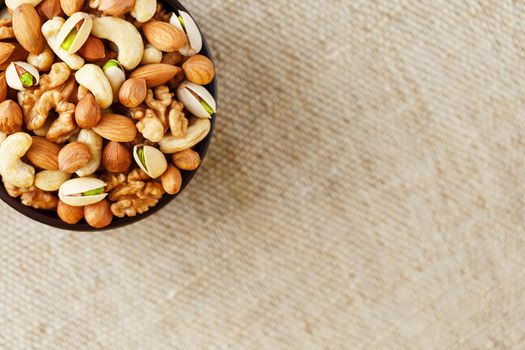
{"points": [[50, 217]]}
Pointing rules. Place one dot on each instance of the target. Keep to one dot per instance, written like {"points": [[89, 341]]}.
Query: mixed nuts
{"points": [[101, 103]]}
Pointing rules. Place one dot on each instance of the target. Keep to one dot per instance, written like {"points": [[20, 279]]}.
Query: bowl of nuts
{"points": [[107, 108]]}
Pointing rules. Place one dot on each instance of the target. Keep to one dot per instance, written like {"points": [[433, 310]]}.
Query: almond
{"points": [[71, 6], [116, 7], [18, 54], [199, 70], [155, 74], [43, 153], [3, 87], [116, 158], [70, 214], [73, 156], [48, 9], [6, 49], [116, 127], [10, 117], [26, 25], [171, 180], [164, 36], [87, 112], [133, 92], [93, 49]]}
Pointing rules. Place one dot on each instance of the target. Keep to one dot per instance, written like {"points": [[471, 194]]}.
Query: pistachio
{"points": [[197, 99], [150, 160], [185, 22], [75, 32], [116, 76], [21, 75], [82, 191]]}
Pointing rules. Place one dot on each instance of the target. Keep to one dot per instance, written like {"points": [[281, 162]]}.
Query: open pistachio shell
{"points": [[155, 161], [186, 92], [70, 192], [82, 33], [193, 33], [13, 79], [116, 77]]}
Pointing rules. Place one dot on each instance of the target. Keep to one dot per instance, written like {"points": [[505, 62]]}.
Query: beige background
{"points": [[364, 191]]}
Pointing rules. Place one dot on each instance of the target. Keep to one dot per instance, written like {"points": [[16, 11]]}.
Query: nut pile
{"points": [[101, 103]]}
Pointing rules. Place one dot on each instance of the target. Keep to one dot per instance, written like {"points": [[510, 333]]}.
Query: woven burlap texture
{"points": [[364, 190]]}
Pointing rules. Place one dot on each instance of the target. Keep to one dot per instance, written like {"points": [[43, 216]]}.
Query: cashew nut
{"points": [[124, 35], [81, 92], [13, 4], [13, 170], [93, 78], [50, 29], [42, 61], [144, 10], [94, 143], [151, 55], [198, 129], [50, 180]]}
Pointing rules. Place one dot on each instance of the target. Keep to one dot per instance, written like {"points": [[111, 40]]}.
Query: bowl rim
{"points": [[50, 218]]}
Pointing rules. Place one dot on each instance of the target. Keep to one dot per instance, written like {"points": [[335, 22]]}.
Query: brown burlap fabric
{"points": [[364, 190]]}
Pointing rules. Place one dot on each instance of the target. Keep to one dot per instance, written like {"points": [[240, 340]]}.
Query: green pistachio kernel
{"points": [[27, 79], [140, 153], [181, 20], [93, 192], [207, 107], [66, 45], [111, 63]]}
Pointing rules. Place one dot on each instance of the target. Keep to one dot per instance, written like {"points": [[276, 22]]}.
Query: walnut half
{"points": [[132, 195], [33, 197]]}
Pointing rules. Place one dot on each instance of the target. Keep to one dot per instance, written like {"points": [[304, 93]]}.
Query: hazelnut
{"points": [[199, 70], [116, 158], [98, 215], [116, 7], [69, 214], [186, 160], [87, 112]]}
